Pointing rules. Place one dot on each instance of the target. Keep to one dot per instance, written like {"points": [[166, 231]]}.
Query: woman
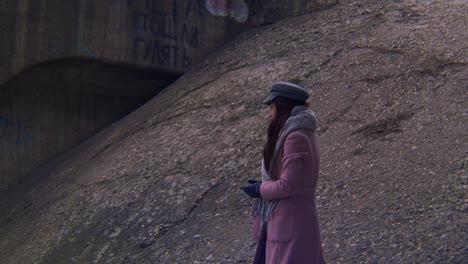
{"points": [[286, 223]]}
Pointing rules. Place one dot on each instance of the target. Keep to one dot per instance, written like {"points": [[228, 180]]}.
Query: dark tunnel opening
{"points": [[53, 106]]}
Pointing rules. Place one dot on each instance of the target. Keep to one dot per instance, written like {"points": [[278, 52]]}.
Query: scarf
{"points": [[300, 117]]}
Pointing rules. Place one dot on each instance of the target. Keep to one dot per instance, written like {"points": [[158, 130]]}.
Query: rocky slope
{"points": [[388, 80]]}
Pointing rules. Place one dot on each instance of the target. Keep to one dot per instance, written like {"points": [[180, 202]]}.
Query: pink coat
{"points": [[293, 228]]}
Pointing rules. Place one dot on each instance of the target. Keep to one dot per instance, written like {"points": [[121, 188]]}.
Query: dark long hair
{"points": [[283, 110]]}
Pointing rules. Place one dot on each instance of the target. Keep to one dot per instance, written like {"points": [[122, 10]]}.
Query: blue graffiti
{"points": [[82, 49], [15, 132]]}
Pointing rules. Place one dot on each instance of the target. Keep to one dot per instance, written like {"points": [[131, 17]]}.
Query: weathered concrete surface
{"points": [[56, 105], [166, 35], [171, 36], [48, 107], [388, 82]]}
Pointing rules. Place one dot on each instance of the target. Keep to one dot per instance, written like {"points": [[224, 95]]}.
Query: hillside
{"points": [[388, 80]]}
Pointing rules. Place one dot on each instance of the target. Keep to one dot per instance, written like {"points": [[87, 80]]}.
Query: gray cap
{"points": [[288, 90]]}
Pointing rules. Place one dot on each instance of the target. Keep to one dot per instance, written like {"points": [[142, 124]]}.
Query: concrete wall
{"points": [[169, 35], [70, 68], [56, 105]]}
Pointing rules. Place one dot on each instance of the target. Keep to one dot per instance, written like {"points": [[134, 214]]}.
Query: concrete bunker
{"points": [[55, 105]]}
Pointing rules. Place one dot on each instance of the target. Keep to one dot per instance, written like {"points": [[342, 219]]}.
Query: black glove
{"points": [[253, 189]]}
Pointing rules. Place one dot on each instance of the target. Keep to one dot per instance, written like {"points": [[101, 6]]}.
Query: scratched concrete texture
{"points": [[388, 80]]}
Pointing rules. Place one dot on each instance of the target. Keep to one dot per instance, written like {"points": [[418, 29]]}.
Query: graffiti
{"points": [[236, 9], [192, 7], [18, 132], [163, 26], [195, 8], [164, 37], [162, 55], [82, 50]]}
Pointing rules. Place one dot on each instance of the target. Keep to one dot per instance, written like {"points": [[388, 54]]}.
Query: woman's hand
{"points": [[253, 189]]}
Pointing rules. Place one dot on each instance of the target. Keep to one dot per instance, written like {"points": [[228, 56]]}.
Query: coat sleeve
{"points": [[295, 151]]}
